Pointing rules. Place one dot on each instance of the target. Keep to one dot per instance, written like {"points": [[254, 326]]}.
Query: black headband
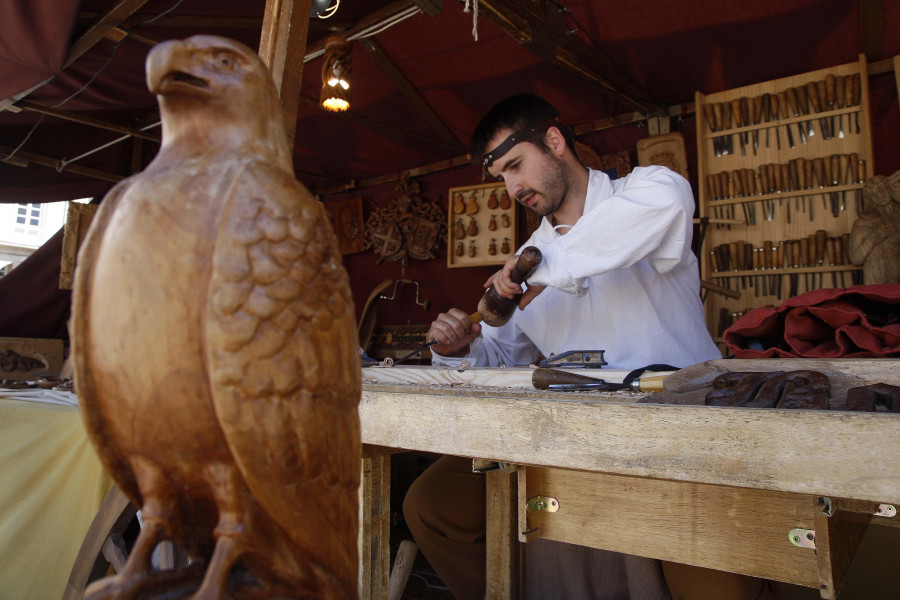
{"points": [[514, 138]]}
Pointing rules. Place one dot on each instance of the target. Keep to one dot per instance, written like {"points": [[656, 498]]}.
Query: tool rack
{"points": [[781, 167]]}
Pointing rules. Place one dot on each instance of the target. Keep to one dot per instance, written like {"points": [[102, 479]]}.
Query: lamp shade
{"points": [[336, 69]]}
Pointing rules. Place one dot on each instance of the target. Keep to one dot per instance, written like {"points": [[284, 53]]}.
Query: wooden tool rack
{"points": [[783, 163]]}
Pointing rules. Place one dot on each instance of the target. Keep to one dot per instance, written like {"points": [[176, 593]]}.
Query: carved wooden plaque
{"points": [[347, 218], [666, 150]]}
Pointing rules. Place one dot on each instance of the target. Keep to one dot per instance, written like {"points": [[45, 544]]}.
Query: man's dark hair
{"points": [[517, 113]]}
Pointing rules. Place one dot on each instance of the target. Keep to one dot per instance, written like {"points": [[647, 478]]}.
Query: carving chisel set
{"points": [[742, 265], [794, 110], [799, 179]]}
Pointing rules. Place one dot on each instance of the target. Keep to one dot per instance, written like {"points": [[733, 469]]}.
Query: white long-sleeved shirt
{"points": [[623, 279]]}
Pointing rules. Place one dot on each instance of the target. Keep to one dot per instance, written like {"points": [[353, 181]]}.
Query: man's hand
{"points": [[454, 332], [507, 288]]}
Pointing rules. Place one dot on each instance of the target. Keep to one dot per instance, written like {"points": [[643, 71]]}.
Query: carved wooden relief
{"points": [[347, 217], [666, 150], [409, 227]]}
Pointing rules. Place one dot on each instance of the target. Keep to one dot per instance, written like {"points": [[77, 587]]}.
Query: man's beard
{"points": [[554, 186]]}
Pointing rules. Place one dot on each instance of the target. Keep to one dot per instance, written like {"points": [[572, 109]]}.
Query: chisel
{"points": [[556, 379]]}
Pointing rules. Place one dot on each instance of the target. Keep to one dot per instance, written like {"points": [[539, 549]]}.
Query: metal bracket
{"points": [[482, 465], [803, 538], [658, 124], [545, 503]]}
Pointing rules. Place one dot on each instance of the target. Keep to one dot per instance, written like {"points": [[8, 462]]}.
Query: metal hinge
{"points": [[803, 538], [545, 503]]}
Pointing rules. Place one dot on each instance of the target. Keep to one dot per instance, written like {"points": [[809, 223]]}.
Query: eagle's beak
{"points": [[169, 70]]}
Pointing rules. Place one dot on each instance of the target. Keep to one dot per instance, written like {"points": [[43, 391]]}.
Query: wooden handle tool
{"points": [[497, 310]]}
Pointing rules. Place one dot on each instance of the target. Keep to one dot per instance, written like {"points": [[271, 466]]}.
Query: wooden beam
{"points": [[543, 33], [431, 8], [408, 90], [55, 165], [117, 34], [281, 47], [113, 18], [68, 116]]}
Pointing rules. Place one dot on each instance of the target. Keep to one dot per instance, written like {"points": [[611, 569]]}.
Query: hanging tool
{"points": [[795, 110], [727, 141], [708, 110], [839, 95], [830, 98], [803, 104], [757, 111], [784, 113], [773, 116], [812, 92], [737, 109]]}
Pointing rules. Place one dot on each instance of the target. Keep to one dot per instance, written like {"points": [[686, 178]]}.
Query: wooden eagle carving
{"points": [[217, 362]]}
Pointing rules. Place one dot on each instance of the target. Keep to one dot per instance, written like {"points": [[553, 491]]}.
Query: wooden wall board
{"points": [[784, 213], [717, 527], [834, 453], [666, 150], [78, 221], [469, 207]]}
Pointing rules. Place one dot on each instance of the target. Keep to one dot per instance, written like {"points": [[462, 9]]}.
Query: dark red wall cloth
{"points": [[857, 322], [31, 303]]}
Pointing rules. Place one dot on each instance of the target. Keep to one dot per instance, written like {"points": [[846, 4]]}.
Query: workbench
{"points": [[781, 494]]}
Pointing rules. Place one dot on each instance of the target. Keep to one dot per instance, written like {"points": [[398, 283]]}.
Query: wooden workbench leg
{"points": [[502, 536], [840, 527], [374, 527]]}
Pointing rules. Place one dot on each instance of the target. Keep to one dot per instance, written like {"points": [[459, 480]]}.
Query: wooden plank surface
{"points": [[723, 528], [832, 453]]}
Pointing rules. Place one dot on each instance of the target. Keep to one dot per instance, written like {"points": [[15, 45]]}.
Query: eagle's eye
{"points": [[225, 61]]}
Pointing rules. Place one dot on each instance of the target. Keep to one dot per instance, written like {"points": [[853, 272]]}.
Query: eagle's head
{"points": [[213, 87]]}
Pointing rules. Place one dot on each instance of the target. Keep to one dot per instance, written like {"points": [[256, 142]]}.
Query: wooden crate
{"points": [[771, 249], [470, 207]]}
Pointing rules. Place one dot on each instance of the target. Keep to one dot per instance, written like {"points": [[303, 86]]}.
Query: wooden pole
{"points": [[281, 47]]}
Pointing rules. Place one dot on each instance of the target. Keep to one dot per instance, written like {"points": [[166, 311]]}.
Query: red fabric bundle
{"points": [[856, 322]]}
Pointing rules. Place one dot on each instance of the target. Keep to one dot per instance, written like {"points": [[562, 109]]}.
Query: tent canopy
{"points": [[419, 85]]}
